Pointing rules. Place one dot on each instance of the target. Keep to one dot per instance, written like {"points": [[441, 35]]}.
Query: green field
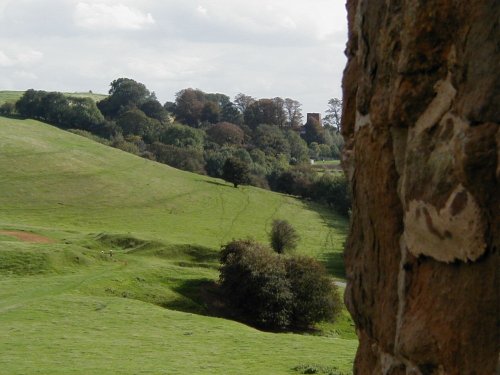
{"points": [[68, 306], [13, 96]]}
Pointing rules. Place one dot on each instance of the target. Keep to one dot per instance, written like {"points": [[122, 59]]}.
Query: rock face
{"points": [[421, 121]]}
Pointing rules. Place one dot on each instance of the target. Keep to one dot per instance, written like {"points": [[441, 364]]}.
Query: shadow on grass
{"points": [[201, 296], [334, 263], [338, 227], [199, 254], [215, 183]]}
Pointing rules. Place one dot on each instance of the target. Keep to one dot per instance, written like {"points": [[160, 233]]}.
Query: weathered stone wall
{"points": [[421, 121]]}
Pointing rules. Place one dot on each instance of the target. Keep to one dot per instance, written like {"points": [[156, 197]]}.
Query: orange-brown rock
{"points": [[421, 120]]}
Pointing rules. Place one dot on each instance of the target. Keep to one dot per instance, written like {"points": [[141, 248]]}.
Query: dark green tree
{"points": [[124, 94], [236, 171], [30, 104], [153, 108], [134, 121], [210, 113], [183, 136], [271, 140], [315, 296], [253, 279], [283, 236]]}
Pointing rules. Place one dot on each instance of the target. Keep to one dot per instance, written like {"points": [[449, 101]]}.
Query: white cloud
{"points": [[5, 61], [23, 58], [100, 16], [264, 48], [202, 10]]}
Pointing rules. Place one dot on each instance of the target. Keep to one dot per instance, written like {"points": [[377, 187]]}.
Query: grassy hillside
{"points": [[13, 96], [68, 306]]}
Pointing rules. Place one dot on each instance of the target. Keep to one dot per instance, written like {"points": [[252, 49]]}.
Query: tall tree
{"points": [[189, 105], [264, 111], [124, 94], [279, 112], [294, 113], [243, 101], [333, 113]]}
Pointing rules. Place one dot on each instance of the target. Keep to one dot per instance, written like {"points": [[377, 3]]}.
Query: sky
{"points": [[262, 48]]}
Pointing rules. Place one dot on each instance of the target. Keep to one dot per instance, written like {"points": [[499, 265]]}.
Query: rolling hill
{"points": [[12, 96], [104, 257]]}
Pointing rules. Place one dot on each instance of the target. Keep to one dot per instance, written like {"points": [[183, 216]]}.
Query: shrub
{"points": [[7, 108], [254, 280], [334, 190], [315, 296], [283, 236], [273, 291]]}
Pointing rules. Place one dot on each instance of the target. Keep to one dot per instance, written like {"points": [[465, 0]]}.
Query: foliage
{"points": [[283, 236], [333, 113], [226, 133], [83, 114], [8, 108], [236, 171], [254, 280], [271, 140], [215, 160], [133, 121], [265, 111], [153, 109], [242, 102], [194, 107], [316, 297], [333, 189], [210, 113], [296, 180], [183, 136], [61, 110], [294, 113], [124, 94], [185, 159], [298, 147], [276, 292], [30, 104]]}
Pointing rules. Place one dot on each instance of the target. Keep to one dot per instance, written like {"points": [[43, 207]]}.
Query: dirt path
{"points": [[27, 236]]}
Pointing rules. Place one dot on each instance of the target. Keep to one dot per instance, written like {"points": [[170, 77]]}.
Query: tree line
{"points": [[204, 132]]}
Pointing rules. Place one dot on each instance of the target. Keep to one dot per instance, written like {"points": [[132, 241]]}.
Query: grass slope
{"points": [[13, 96], [69, 307]]}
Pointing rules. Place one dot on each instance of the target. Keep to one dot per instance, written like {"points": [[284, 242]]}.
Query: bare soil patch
{"points": [[27, 236]]}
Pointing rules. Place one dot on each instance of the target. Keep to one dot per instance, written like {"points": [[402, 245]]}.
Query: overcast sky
{"points": [[263, 48]]}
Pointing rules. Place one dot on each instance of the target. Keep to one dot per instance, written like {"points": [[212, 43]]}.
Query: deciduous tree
{"points": [[236, 171]]}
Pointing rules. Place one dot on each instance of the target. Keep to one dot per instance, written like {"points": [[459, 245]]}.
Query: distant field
{"points": [[13, 96], [325, 166], [10, 96], [68, 306]]}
